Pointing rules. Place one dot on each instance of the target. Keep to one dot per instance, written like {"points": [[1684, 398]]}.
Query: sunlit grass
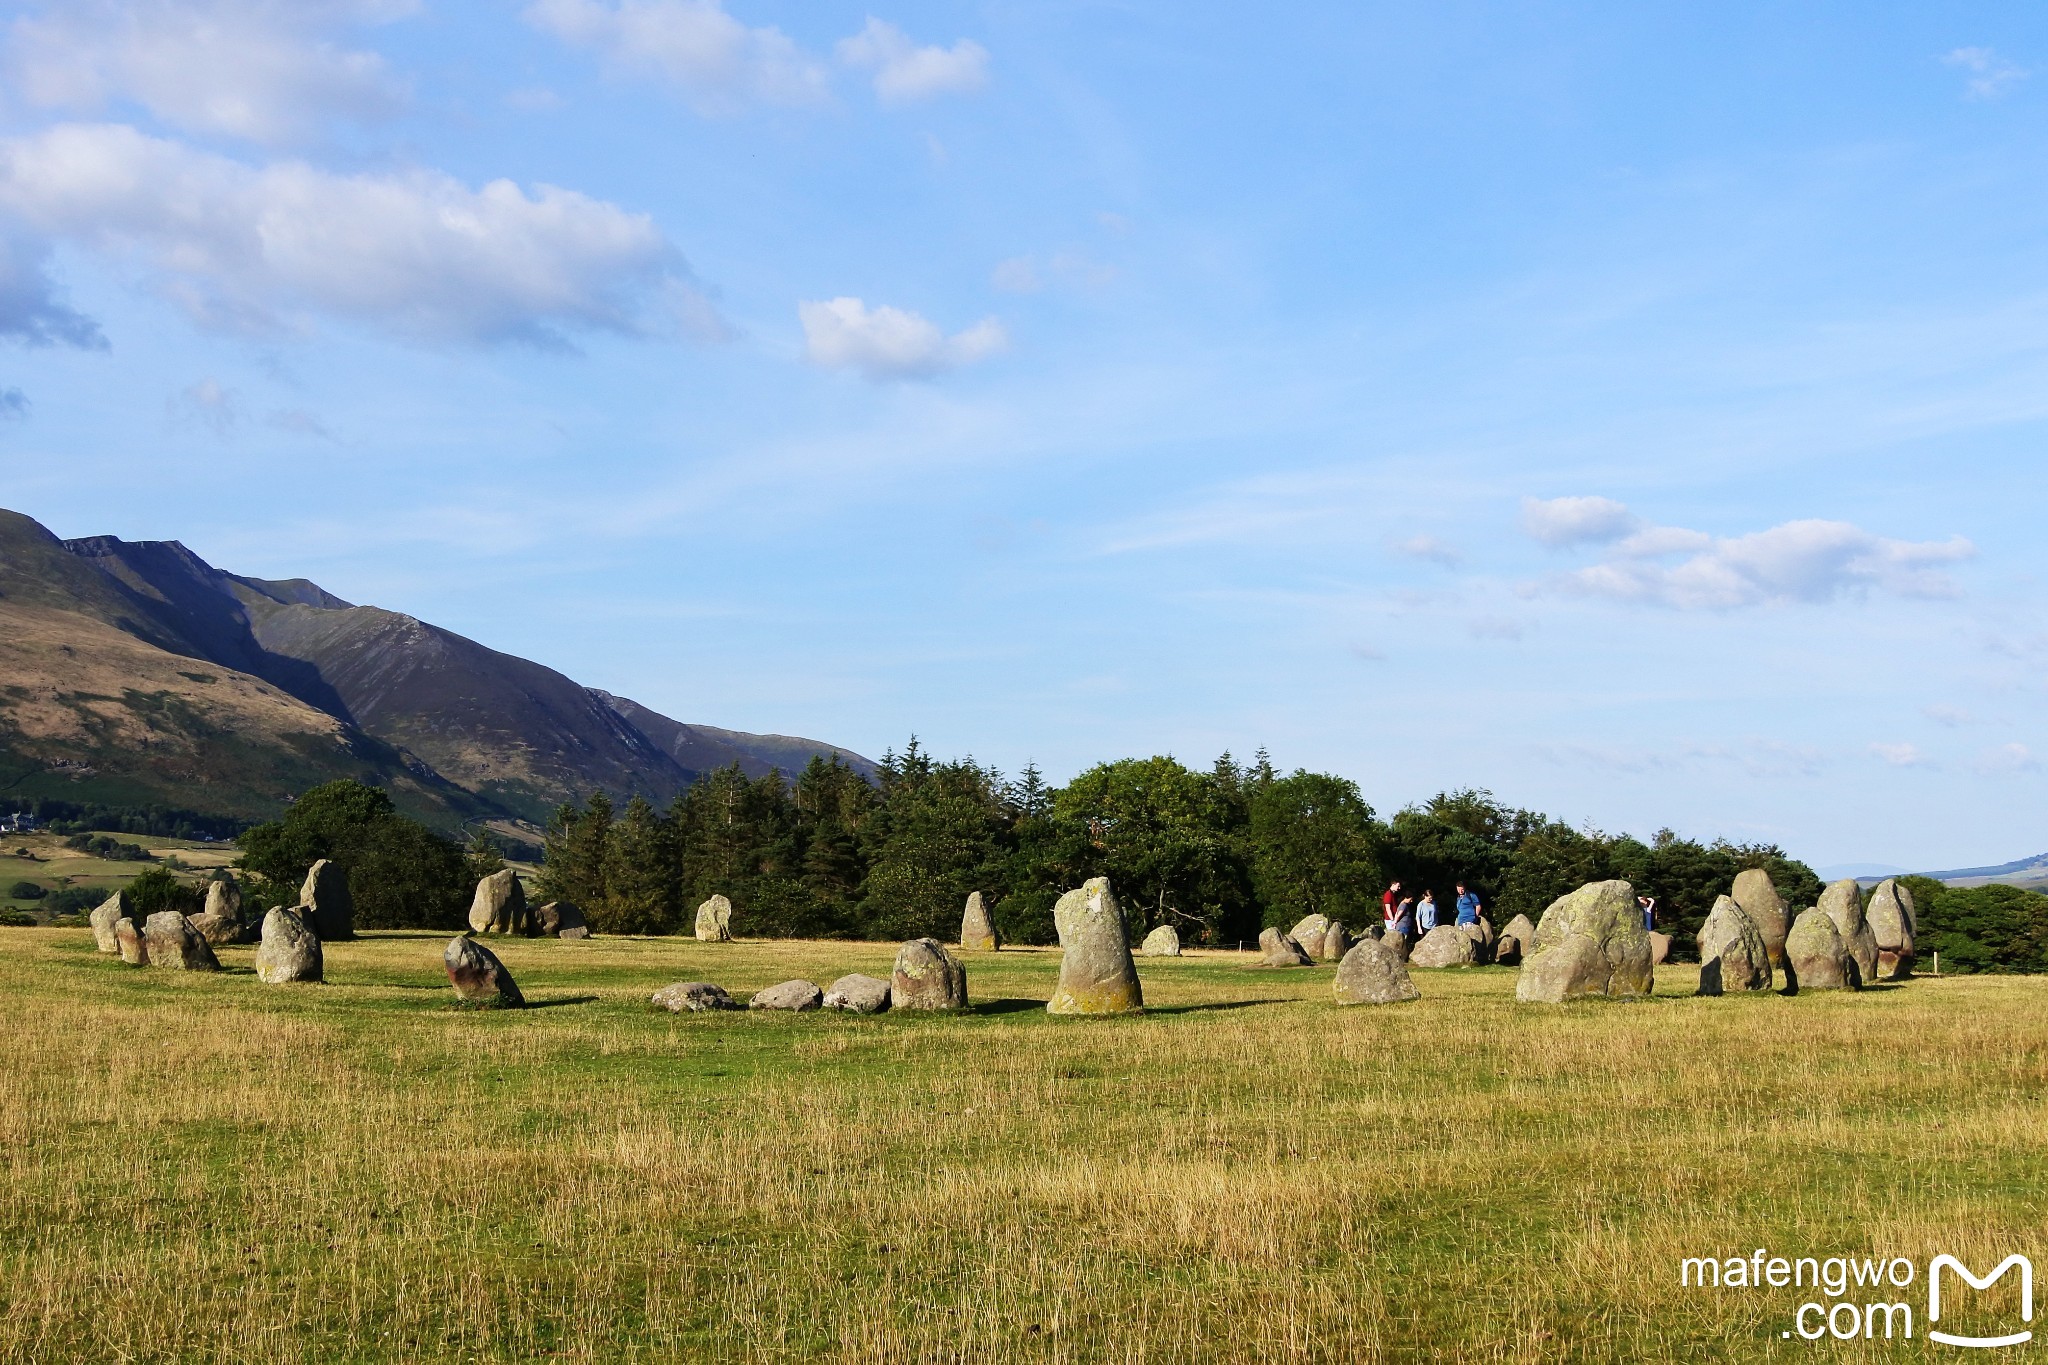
{"points": [[211, 1169]]}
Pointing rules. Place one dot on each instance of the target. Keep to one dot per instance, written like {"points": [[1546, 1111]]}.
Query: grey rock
{"points": [[103, 917], [977, 931], [1890, 914], [326, 894], [927, 977], [1371, 974], [221, 923], [1097, 975], [1309, 934], [559, 919], [714, 921], [1816, 959], [1765, 908], [1513, 944], [289, 950], [1163, 941], [858, 994], [1445, 946], [694, 997], [499, 905], [130, 943], [1337, 941], [1843, 902], [1280, 950], [1732, 952], [1590, 942], [1660, 947], [788, 995], [1397, 943], [174, 943], [478, 977], [1484, 941]]}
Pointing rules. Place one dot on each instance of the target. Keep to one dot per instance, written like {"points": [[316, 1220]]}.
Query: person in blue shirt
{"points": [[1468, 906], [1649, 905], [1425, 912]]}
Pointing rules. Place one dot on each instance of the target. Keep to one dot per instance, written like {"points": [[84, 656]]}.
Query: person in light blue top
{"points": [[1468, 906], [1425, 912], [1649, 905]]}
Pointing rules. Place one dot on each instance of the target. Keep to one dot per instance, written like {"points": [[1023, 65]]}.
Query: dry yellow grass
{"points": [[210, 1169]]}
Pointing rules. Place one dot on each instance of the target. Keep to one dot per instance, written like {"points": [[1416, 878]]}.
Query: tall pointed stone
{"points": [[1097, 975], [714, 921], [1816, 959], [1889, 912], [326, 894], [103, 918], [977, 931], [1766, 909], [1732, 953], [1843, 903], [927, 977], [478, 977], [289, 951]]}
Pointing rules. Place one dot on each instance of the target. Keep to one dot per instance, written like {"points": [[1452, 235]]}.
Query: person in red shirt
{"points": [[1388, 907]]}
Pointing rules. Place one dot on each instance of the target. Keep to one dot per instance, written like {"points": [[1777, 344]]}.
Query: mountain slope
{"points": [[701, 748]]}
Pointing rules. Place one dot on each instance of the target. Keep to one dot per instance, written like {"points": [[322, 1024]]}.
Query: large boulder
{"points": [[858, 994], [499, 905], [795, 996], [694, 997], [1513, 944], [1590, 942], [326, 895], [714, 921], [1732, 952], [1843, 902], [478, 977], [1371, 974], [1816, 959], [1309, 934], [1280, 950], [559, 919], [1891, 916], [174, 943], [927, 977], [221, 922], [1445, 946], [1336, 942], [289, 951], [977, 930], [1163, 941], [1097, 975], [130, 943], [103, 918], [1766, 909]]}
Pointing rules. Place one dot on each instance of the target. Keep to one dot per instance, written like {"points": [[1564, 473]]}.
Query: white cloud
{"points": [[1800, 561], [30, 312], [1902, 755], [1431, 549], [890, 343], [905, 72], [206, 406], [1990, 75], [1558, 522], [265, 70], [2007, 760], [414, 253], [716, 62], [1943, 713]]}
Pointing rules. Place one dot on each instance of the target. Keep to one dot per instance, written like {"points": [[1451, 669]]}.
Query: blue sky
{"points": [[1633, 409]]}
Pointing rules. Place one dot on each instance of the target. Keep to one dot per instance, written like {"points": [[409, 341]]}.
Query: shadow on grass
{"points": [[1006, 1006], [561, 1000], [1214, 1005]]}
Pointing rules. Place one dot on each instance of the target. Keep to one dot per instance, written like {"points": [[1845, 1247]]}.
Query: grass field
{"points": [[205, 1168], [54, 866]]}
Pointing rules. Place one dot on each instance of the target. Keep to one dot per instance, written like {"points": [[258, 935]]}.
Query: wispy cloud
{"points": [[1988, 74], [712, 60], [904, 72], [890, 343], [1902, 755], [1559, 522], [1430, 549]]}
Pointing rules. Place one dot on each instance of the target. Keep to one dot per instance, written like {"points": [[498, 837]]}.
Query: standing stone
{"points": [[858, 994], [1337, 941], [478, 977], [1309, 934], [796, 996], [1484, 942], [1097, 975], [1891, 919], [694, 997], [1445, 946], [174, 943], [1397, 943], [1591, 942], [1816, 959], [977, 930], [326, 895], [290, 951], [1371, 974], [114, 907], [499, 906], [559, 919], [1843, 902], [927, 977], [1280, 950], [1766, 910], [221, 922], [1732, 952], [1513, 944], [714, 921], [130, 943], [1660, 947], [1161, 942]]}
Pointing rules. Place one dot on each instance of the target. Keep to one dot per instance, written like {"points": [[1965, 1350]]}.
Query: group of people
{"points": [[1412, 919]]}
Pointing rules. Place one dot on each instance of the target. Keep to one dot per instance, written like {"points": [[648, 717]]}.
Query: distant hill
{"points": [[135, 672], [2028, 872]]}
